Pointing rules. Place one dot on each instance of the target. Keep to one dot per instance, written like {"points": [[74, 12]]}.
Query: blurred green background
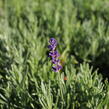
{"points": [[81, 28]]}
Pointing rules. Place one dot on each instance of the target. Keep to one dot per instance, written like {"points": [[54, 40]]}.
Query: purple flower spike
{"points": [[54, 55]]}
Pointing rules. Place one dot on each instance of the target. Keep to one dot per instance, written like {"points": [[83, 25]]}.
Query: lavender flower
{"points": [[53, 41], [54, 55], [51, 47], [55, 61], [53, 44], [57, 68]]}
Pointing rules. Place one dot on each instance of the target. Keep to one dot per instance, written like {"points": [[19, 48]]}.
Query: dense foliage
{"points": [[81, 28]]}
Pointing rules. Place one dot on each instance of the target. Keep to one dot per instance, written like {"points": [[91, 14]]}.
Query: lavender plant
{"points": [[24, 30]]}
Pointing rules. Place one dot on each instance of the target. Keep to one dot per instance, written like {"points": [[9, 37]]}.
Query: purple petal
{"points": [[55, 61], [54, 54], [51, 47], [53, 41], [57, 68]]}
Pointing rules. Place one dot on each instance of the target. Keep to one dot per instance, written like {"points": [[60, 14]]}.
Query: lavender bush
{"points": [[82, 30]]}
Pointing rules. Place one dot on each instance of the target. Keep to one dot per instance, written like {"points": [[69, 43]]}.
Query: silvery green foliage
{"points": [[26, 78], [83, 90]]}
